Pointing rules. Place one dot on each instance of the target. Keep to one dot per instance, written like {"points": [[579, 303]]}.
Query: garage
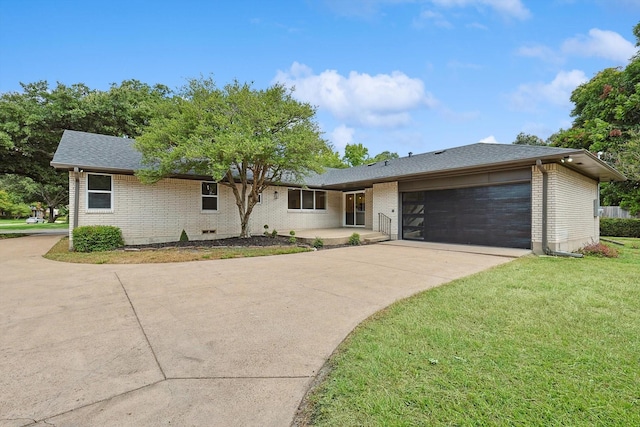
{"points": [[490, 215]]}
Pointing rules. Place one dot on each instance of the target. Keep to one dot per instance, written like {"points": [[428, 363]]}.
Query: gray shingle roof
{"points": [[107, 153], [451, 159], [96, 152]]}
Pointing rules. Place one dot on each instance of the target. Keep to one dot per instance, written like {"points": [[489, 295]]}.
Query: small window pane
{"points": [[294, 199], [307, 199], [99, 182], [360, 206], [209, 203], [321, 198], [209, 189], [99, 200]]}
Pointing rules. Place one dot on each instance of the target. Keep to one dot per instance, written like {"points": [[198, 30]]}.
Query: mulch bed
{"points": [[228, 242], [253, 241]]}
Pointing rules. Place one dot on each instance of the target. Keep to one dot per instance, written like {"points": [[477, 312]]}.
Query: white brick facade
{"points": [[571, 220], [385, 200], [159, 212]]}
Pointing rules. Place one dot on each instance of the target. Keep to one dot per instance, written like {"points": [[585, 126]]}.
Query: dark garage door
{"points": [[498, 215]]}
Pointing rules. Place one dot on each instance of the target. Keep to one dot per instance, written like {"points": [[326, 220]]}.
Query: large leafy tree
{"points": [[357, 154], [32, 122], [528, 139], [244, 138], [607, 121]]}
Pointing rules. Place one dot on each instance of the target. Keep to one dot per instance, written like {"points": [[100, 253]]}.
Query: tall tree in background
{"points": [[528, 139], [245, 139], [32, 123], [607, 121], [355, 154], [358, 154]]}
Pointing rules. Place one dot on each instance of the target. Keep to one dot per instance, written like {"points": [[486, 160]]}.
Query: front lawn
{"points": [[20, 224], [538, 341]]}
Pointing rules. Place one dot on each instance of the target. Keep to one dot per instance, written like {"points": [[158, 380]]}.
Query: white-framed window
{"points": [[259, 202], [209, 195], [99, 192], [307, 199]]}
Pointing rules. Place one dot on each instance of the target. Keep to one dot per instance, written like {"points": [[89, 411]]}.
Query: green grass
{"points": [[19, 224], [60, 252], [11, 235], [538, 341]]}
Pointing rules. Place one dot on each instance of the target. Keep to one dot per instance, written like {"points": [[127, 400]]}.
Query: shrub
{"points": [[292, 239], [274, 233], [317, 243], [184, 237], [354, 239], [599, 250], [620, 227], [266, 229], [97, 238]]}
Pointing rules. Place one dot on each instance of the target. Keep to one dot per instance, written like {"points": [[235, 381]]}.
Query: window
{"points": [[99, 191], [307, 199], [209, 196], [259, 202]]}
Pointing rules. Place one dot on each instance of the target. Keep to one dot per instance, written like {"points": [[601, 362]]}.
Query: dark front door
{"points": [[498, 215]]}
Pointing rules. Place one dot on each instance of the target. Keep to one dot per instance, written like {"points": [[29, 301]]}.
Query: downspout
{"points": [[76, 197], [545, 241]]}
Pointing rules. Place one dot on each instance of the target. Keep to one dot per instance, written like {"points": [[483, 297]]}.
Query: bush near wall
{"points": [[620, 227], [97, 238]]}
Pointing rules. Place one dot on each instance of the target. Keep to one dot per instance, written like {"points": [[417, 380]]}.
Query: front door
{"points": [[354, 209]]}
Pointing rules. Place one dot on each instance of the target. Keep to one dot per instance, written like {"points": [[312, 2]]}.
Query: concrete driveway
{"points": [[218, 343]]}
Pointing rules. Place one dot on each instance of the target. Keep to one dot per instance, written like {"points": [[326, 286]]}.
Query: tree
{"points": [[528, 139], [358, 154], [385, 155], [12, 206], [607, 121], [245, 139], [32, 123], [331, 159], [355, 154]]}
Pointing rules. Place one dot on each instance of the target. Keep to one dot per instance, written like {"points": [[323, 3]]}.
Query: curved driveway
{"points": [[218, 343]]}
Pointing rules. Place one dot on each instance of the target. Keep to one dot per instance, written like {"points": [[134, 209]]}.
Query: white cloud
{"points": [[341, 136], [602, 44], [510, 8], [489, 140], [557, 92], [434, 17], [383, 100]]}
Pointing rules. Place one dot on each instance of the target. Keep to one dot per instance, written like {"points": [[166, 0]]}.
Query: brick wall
{"points": [[385, 200], [368, 209], [571, 220], [159, 212]]}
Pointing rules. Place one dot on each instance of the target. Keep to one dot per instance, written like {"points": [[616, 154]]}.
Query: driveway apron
{"points": [[220, 343]]}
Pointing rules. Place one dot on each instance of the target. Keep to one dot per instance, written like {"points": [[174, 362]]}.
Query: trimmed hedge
{"points": [[620, 227], [97, 238]]}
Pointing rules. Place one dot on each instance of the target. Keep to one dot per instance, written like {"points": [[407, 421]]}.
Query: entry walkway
{"points": [[334, 236], [218, 343]]}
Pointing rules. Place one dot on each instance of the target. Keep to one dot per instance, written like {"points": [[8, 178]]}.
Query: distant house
{"points": [[480, 194]]}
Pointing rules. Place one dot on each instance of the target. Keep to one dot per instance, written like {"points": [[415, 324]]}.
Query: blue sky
{"points": [[397, 75]]}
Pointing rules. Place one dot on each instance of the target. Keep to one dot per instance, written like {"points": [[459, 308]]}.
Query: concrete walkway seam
{"points": [[164, 376]]}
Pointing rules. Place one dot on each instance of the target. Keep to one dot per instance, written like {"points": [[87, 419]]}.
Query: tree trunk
{"points": [[52, 217]]}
